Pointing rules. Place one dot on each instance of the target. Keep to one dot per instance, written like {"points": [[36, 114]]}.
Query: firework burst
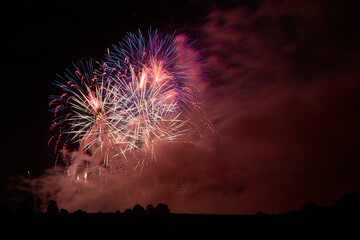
{"points": [[139, 95]]}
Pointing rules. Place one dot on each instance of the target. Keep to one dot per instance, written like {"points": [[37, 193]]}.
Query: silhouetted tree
{"points": [[138, 209], [64, 212], [293, 213], [162, 208], [308, 207], [127, 211], [312, 209], [349, 203], [52, 208], [150, 209], [261, 213], [80, 212]]}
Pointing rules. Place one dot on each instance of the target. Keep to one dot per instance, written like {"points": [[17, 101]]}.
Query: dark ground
{"points": [[340, 220], [183, 226]]}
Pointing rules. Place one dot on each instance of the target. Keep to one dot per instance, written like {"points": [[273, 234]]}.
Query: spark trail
{"points": [[140, 95]]}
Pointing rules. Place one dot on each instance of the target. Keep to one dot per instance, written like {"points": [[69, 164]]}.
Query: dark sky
{"points": [[283, 92]]}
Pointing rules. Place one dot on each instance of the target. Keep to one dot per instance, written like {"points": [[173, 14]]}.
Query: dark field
{"points": [[182, 226]]}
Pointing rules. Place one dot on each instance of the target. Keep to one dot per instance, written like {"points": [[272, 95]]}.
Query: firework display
{"points": [[141, 94]]}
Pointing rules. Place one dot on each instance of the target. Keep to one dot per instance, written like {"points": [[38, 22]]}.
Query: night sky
{"points": [[282, 79]]}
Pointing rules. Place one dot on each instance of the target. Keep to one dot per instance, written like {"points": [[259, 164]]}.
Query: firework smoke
{"points": [[120, 114], [284, 96]]}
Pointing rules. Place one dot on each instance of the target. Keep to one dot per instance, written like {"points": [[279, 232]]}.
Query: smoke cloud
{"points": [[281, 92]]}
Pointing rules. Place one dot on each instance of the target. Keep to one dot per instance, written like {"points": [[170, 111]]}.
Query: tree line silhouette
{"points": [[25, 208], [157, 222], [349, 204], [161, 208]]}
